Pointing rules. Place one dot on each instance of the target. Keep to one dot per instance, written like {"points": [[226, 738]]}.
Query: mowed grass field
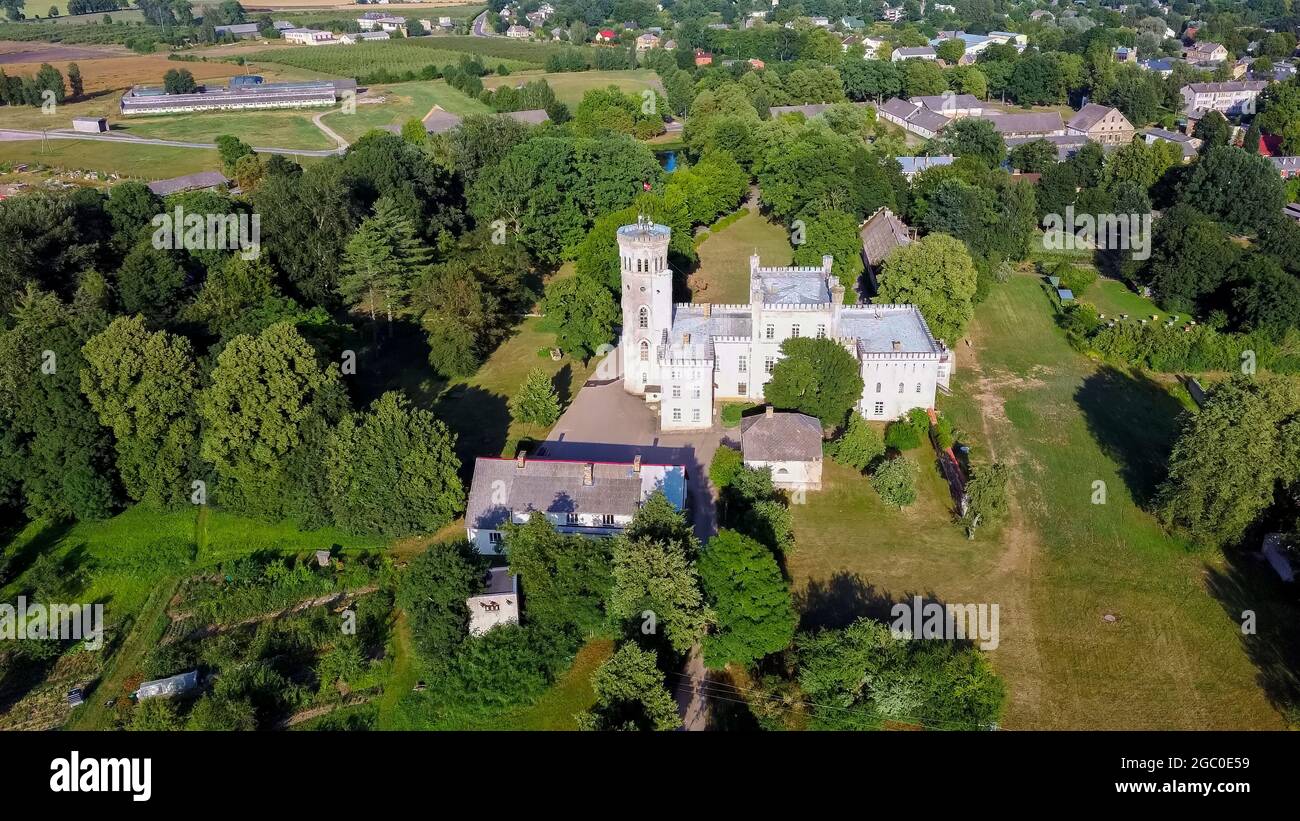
{"points": [[1174, 657], [722, 275], [261, 129], [569, 86], [151, 162], [402, 101]]}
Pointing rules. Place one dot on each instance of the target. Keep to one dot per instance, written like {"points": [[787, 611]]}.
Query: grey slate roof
{"points": [[438, 121], [781, 437], [1026, 123], [941, 102], [878, 327], [795, 288], [553, 486], [189, 182], [531, 116]]}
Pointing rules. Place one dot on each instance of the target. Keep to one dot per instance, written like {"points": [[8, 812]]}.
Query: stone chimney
{"points": [[769, 412], [588, 475], [636, 464], [520, 459]]}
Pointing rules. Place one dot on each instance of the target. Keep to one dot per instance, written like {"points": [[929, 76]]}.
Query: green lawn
{"points": [[476, 408], [569, 86], [1113, 298], [572, 694], [1174, 659], [270, 129], [402, 102], [364, 59], [153, 162], [722, 275]]}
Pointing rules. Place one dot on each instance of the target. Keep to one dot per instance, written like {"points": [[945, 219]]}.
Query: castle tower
{"points": [[647, 301]]}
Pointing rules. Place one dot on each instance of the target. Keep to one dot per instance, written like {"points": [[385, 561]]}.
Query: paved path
{"points": [[480, 28], [329, 132], [12, 135], [606, 422]]}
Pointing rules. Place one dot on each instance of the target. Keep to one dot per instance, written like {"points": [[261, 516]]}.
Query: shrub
{"points": [[1075, 278], [858, 446], [726, 463], [909, 432], [895, 482]]}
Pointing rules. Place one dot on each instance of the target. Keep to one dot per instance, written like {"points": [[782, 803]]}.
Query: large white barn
{"points": [[687, 357]]}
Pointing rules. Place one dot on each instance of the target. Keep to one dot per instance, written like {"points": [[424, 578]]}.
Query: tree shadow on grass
{"points": [[1135, 422], [479, 418], [1248, 583], [846, 597]]}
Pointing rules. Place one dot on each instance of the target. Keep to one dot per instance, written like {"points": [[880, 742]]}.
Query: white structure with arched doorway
{"points": [[688, 357]]}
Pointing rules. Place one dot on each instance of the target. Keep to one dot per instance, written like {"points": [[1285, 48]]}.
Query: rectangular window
{"points": [[695, 392], [768, 364], [821, 331], [695, 415], [743, 389], [607, 520], [677, 391], [794, 331], [572, 518], [770, 332], [494, 537], [677, 414], [743, 364], [880, 409]]}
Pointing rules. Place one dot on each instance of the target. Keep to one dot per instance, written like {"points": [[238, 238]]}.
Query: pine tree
{"points": [[381, 260], [74, 80], [536, 403]]}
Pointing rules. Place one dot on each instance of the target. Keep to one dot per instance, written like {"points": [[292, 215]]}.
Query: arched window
{"points": [[877, 387], [918, 387], [900, 387], [645, 351], [644, 317]]}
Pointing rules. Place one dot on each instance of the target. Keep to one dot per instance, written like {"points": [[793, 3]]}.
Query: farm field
{"points": [[403, 101], [366, 58], [496, 48], [569, 86], [722, 275], [154, 162], [104, 74]]}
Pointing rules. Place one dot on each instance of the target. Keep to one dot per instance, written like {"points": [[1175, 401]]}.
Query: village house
{"points": [[647, 41], [1287, 167], [917, 119], [1189, 145], [1028, 124], [352, 38], [686, 358], [377, 21], [310, 37], [1205, 53], [912, 166], [913, 53], [592, 498], [951, 105], [519, 32], [1101, 124], [787, 444], [605, 36], [1230, 98]]}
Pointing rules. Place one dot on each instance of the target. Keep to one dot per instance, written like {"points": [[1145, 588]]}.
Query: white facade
{"points": [[686, 357]]}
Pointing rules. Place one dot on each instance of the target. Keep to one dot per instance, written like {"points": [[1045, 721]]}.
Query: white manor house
{"points": [[688, 357]]}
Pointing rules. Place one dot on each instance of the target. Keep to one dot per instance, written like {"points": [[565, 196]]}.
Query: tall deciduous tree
{"points": [[630, 694], [142, 386], [393, 470], [754, 615], [536, 403], [938, 276], [567, 577], [817, 377]]}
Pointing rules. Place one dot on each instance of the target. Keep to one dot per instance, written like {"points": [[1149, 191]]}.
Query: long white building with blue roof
{"points": [[688, 358]]}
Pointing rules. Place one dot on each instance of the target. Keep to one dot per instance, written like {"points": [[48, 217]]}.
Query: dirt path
{"points": [[329, 132], [1021, 548], [692, 705]]}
